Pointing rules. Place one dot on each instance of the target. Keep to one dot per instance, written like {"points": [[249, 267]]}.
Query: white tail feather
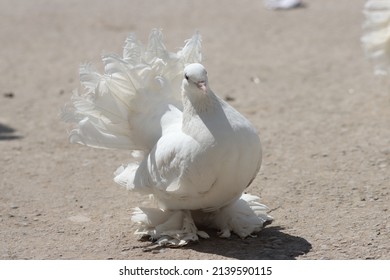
{"points": [[122, 108]]}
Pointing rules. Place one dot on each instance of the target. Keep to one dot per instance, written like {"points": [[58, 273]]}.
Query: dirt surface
{"points": [[300, 76]]}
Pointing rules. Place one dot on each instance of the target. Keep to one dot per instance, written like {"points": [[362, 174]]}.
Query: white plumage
{"points": [[196, 154], [376, 38]]}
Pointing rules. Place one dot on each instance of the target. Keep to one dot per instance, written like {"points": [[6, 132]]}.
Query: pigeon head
{"points": [[195, 78]]}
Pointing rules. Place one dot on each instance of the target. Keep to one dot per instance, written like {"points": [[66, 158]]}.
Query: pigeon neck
{"points": [[197, 103]]}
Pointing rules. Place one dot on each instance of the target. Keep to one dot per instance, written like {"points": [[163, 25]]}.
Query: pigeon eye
{"points": [[185, 76]]}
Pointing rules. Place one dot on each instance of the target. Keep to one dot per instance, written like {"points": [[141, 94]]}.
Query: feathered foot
{"points": [[169, 228], [245, 217]]}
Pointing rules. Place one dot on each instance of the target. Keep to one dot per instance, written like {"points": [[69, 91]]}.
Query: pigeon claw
{"points": [[225, 233]]}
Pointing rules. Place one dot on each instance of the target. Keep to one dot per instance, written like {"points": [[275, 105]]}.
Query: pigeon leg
{"points": [[173, 228], [244, 217]]}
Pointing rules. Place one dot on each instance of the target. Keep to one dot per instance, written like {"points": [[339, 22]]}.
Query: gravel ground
{"points": [[300, 76]]}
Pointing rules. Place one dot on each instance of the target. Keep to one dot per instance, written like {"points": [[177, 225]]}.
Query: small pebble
{"points": [[9, 95], [255, 80], [229, 98], [79, 219]]}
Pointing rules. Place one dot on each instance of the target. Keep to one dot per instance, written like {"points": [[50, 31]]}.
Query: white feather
{"points": [[376, 38], [122, 109]]}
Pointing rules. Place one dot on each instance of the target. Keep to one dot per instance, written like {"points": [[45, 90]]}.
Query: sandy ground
{"points": [[300, 76]]}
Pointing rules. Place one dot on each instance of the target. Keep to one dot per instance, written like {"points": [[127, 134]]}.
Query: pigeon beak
{"points": [[202, 86]]}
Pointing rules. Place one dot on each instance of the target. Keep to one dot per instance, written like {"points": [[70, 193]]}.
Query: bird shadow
{"points": [[270, 244], [7, 133]]}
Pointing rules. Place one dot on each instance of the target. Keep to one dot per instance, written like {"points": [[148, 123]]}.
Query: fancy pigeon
{"points": [[376, 37], [193, 155]]}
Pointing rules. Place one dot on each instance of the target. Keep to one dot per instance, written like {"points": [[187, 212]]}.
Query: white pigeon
{"points": [[196, 154], [282, 4], [376, 37]]}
